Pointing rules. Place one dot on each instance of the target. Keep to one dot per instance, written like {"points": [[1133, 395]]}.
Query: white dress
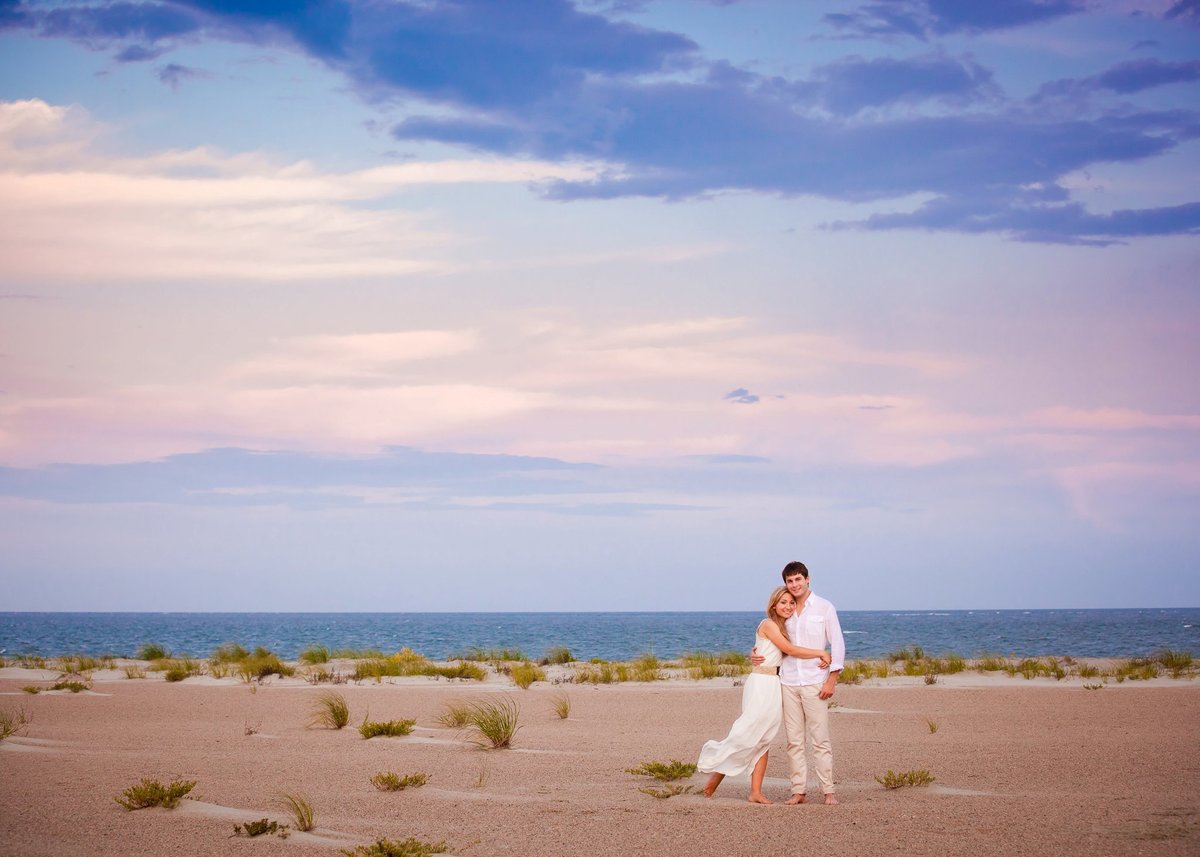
{"points": [[752, 733]]}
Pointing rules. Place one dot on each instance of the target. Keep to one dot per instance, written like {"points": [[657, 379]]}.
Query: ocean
{"points": [[612, 636]]}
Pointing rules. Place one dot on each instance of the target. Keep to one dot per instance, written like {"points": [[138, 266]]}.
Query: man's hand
{"points": [[828, 687], [755, 657]]}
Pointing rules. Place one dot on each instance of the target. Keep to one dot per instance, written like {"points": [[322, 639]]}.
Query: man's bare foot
{"points": [[830, 800], [794, 799], [759, 798], [711, 785]]}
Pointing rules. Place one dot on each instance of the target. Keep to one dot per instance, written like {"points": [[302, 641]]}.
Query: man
{"points": [[807, 687]]}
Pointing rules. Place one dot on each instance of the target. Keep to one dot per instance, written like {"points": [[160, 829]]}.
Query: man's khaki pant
{"points": [[806, 719]]}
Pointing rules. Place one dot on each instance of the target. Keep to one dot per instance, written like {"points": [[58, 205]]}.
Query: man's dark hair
{"points": [[794, 568]]}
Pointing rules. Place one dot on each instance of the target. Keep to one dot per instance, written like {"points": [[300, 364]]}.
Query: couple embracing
{"points": [[792, 680]]}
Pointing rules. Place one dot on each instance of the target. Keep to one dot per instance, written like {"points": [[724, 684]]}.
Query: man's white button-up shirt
{"points": [[815, 626]]}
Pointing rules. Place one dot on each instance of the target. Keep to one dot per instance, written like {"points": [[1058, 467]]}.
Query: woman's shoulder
{"points": [[763, 626]]}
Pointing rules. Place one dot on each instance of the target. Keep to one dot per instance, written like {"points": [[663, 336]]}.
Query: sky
{"points": [[465, 305]]}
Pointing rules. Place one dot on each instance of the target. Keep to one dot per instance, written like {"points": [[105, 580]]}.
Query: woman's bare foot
{"points": [[830, 800], [794, 799], [711, 785], [759, 798]]}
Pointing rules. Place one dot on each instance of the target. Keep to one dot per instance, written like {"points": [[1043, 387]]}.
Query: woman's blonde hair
{"points": [[777, 593]]}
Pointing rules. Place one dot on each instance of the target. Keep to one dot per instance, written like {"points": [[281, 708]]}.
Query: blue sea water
{"points": [[613, 636]]}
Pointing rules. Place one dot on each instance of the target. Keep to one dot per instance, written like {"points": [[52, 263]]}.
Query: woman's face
{"points": [[785, 606]]}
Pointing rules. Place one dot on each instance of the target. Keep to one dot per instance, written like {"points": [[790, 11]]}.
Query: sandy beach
{"points": [[1021, 767]]}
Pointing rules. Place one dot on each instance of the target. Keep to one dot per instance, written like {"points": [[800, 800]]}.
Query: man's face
{"points": [[797, 584]]}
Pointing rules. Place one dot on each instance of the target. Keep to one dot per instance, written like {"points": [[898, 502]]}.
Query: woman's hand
{"points": [[825, 659]]}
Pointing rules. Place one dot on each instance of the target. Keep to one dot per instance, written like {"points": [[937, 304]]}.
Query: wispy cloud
{"points": [[567, 86], [70, 212]]}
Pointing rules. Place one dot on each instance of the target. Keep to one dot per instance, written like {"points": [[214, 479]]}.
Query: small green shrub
{"points": [[386, 728], [523, 675], [153, 793], [665, 771], [892, 780], [557, 655], [13, 722], [494, 722], [668, 791], [390, 782], [410, 847], [152, 652], [300, 809], [330, 711], [261, 827]]}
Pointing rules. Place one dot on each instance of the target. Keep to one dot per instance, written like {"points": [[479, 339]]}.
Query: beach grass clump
{"points": [[665, 771], [13, 722], [667, 791], [701, 665], [150, 793], [406, 662], [28, 661], [315, 654], [933, 726], [907, 653], [852, 673], [455, 715], [1088, 671], [1176, 661], [260, 664], [33, 689], [951, 664], [992, 664], [494, 721], [410, 847], [557, 655], [299, 807], [647, 667], [494, 656], [262, 827], [152, 652], [356, 654], [78, 664], [386, 728], [74, 685], [229, 653], [177, 669], [134, 671], [893, 780], [1136, 669], [320, 675], [1093, 685], [523, 675], [601, 673], [931, 677], [392, 782], [330, 711], [562, 706]]}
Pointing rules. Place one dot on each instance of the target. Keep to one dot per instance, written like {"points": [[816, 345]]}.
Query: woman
{"points": [[752, 733]]}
